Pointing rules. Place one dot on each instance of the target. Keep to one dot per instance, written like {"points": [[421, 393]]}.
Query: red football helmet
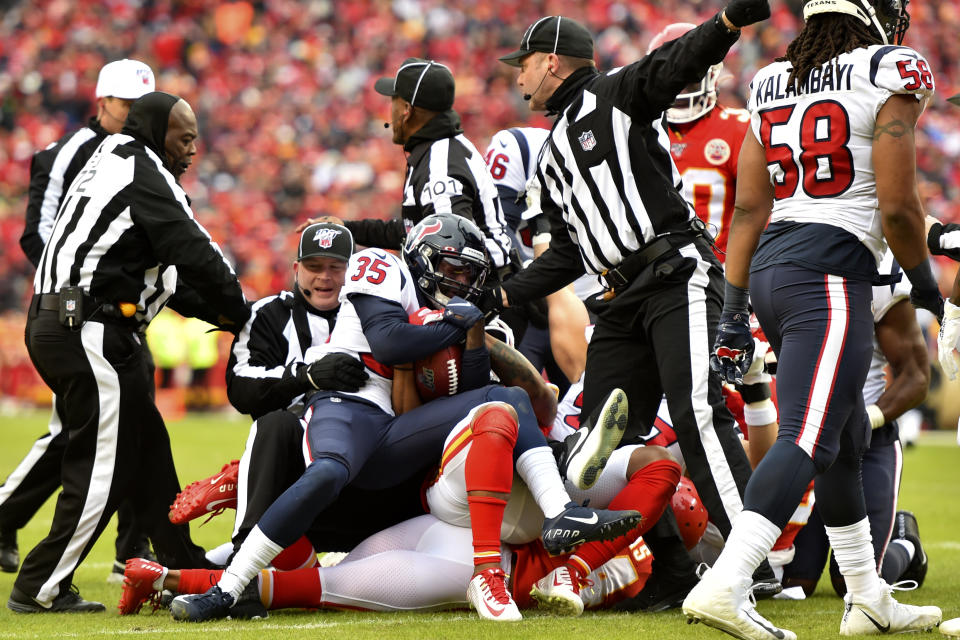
{"points": [[691, 514], [692, 104]]}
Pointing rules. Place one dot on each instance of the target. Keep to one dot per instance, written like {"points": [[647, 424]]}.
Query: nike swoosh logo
{"points": [[213, 505], [217, 479], [776, 633], [883, 629], [496, 612], [591, 520], [503, 144]]}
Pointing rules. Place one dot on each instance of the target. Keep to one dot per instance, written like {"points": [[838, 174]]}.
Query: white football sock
{"points": [[255, 553], [749, 542], [854, 553], [158, 583], [538, 468]]}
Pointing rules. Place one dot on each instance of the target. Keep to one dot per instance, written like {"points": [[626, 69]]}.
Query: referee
{"points": [[124, 239], [52, 170], [610, 190], [445, 172]]}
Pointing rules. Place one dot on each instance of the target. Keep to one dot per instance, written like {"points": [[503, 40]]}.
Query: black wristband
{"points": [[921, 277], [757, 392], [735, 299]]}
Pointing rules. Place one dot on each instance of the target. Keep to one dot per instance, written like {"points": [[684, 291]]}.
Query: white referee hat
{"points": [[127, 79]]}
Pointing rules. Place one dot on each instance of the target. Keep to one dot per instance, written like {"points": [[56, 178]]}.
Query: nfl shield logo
{"points": [[71, 305], [587, 141], [324, 237]]}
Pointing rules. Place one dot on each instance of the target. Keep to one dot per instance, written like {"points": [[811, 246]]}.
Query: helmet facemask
{"points": [[695, 104]]}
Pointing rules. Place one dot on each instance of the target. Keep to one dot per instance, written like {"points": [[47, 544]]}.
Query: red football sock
{"points": [[198, 580], [299, 589], [489, 467], [299, 555], [648, 491]]}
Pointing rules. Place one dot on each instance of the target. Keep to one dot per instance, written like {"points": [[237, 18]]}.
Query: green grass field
{"points": [[201, 444]]}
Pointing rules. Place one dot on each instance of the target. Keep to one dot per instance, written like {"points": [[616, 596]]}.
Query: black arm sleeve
{"points": [[475, 368], [393, 340], [188, 303], [381, 234], [556, 267], [646, 88], [30, 240]]}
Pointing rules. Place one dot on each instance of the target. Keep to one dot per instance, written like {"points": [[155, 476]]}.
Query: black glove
{"points": [[935, 240], [743, 12], [491, 302], [536, 312], [929, 299], [333, 372], [461, 313], [733, 348]]}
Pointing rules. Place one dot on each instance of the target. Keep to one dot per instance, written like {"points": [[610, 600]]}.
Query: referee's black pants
{"points": [[117, 447], [37, 476], [655, 338]]}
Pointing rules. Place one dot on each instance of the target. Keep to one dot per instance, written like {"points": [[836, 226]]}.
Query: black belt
{"points": [[91, 306]]}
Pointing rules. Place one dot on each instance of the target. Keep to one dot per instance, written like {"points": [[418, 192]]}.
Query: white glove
{"points": [[755, 374], [947, 340]]}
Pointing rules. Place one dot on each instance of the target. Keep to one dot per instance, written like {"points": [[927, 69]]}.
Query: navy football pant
{"points": [[821, 328]]}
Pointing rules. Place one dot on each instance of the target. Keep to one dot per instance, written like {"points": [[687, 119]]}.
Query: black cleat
{"points": [[662, 592], [907, 529], [200, 607], [69, 602], [9, 552], [585, 452], [576, 525], [765, 583], [249, 605]]}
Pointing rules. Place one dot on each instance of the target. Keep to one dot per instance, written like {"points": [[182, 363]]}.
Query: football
{"points": [[439, 375]]}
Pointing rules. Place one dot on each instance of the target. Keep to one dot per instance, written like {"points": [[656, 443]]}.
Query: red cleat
{"points": [[138, 578], [211, 496]]}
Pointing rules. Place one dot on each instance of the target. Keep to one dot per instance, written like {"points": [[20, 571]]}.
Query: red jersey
{"points": [[706, 152]]}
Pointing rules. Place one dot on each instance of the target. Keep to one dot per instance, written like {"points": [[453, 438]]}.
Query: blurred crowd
{"points": [[290, 124]]}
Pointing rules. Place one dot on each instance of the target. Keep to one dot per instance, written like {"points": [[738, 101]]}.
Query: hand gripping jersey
{"points": [[819, 141], [706, 152], [372, 272]]}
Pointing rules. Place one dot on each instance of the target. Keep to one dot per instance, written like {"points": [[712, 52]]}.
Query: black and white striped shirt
{"points": [[607, 181], [51, 172], [269, 350], [125, 233], [445, 173]]}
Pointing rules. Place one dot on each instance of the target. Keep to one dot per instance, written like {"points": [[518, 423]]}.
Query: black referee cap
{"points": [[553, 34], [422, 83], [325, 240]]}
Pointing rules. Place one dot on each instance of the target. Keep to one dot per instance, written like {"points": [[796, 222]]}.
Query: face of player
{"points": [[399, 110], [536, 80], [112, 112], [320, 280], [461, 272], [181, 141]]}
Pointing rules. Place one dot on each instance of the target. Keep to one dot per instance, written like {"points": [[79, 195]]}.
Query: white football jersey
{"points": [[372, 272], [819, 142], [512, 156], [884, 297]]}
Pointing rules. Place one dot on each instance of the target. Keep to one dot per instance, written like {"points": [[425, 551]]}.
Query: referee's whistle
{"points": [[127, 309]]}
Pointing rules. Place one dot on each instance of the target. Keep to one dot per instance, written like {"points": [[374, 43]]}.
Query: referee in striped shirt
{"points": [[124, 240], [611, 192], [445, 172], [52, 170]]}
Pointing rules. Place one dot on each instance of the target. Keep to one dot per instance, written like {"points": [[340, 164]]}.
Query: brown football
{"points": [[438, 375]]}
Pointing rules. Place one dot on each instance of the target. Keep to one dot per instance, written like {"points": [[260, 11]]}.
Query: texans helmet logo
{"points": [[426, 230], [325, 237]]}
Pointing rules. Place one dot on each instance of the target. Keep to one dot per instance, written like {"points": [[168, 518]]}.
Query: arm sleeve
{"points": [[382, 234], [161, 210], [646, 88], [392, 339], [258, 378], [31, 240], [475, 368], [190, 304]]}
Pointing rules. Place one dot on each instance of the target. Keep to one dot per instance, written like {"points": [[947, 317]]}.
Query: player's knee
{"points": [[325, 475], [516, 397], [496, 419], [642, 456]]}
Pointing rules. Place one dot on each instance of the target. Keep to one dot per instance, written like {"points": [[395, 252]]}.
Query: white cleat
{"points": [[886, 615], [590, 446], [731, 609], [558, 592], [488, 594]]}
